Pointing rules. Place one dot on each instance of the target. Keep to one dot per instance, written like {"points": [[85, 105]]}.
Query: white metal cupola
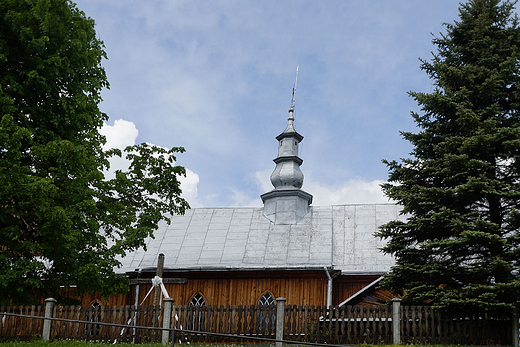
{"points": [[287, 203], [287, 172]]}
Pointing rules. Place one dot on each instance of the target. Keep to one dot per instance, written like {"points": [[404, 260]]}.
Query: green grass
{"points": [[71, 343]]}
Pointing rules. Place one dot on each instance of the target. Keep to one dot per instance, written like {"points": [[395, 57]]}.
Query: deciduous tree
{"points": [[61, 222]]}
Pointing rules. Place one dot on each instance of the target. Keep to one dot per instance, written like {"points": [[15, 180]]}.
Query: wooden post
{"points": [[280, 319], [47, 323], [159, 273], [396, 321], [514, 321], [167, 315]]}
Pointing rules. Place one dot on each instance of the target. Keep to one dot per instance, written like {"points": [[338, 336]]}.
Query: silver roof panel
{"points": [[243, 238]]}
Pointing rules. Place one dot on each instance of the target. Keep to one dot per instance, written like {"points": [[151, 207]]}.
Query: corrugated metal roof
{"points": [[244, 239]]}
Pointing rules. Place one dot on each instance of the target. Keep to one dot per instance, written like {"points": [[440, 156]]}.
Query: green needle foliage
{"points": [[61, 222], [459, 248]]}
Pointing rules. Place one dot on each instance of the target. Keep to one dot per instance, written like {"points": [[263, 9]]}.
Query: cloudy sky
{"points": [[216, 77]]}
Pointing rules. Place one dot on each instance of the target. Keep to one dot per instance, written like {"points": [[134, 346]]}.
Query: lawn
{"points": [[71, 343]]}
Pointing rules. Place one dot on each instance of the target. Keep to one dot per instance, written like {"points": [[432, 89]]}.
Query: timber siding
{"points": [[346, 286], [246, 291], [244, 288]]}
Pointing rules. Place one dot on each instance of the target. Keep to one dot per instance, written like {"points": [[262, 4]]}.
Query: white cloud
{"points": [[189, 188], [120, 135], [124, 133], [240, 198], [216, 77], [354, 191], [263, 180]]}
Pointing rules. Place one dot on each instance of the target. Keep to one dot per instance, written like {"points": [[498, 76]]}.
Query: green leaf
{"points": [[61, 222]]}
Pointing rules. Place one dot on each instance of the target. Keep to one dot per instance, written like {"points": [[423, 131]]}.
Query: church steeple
{"points": [[287, 173], [287, 203]]}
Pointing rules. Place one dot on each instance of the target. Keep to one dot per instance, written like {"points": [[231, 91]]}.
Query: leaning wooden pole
{"points": [[159, 273]]}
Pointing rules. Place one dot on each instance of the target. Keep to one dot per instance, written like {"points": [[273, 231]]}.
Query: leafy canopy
{"points": [[61, 222], [460, 245]]}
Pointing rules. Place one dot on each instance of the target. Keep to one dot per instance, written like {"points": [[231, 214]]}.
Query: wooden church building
{"points": [[310, 255]]}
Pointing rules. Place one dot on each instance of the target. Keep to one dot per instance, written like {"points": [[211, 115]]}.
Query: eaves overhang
{"points": [[294, 134], [233, 268], [280, 192]]}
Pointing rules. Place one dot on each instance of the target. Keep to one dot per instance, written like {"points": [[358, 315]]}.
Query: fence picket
{"points": [[336, 325], [239, 319], [316, 318], [301, 322]]}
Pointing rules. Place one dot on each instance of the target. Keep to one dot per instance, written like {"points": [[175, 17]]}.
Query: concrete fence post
{"points": [[47, 323], [396, 321], [514, 326], [280, 319], [167, 316]]}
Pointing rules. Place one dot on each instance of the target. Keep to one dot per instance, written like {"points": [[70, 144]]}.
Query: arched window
{"points": [[266, 299], [266, 312], [197, 300], [199, 304], [94, 315]]}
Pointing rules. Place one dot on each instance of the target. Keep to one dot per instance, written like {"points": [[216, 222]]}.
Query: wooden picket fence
{"points": [[341, 325], [257, 321], [423, 325], [333, 325], [149, 316], [19, 327]]}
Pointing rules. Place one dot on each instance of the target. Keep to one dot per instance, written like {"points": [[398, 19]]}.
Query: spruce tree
{"points": [[459, 248]]}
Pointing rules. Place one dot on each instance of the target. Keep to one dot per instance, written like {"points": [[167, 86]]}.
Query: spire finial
{"points": [[293, 99], [287, 203], [290, 119]]}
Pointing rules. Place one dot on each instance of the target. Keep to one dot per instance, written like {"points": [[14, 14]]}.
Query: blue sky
{"points": [[216, 77]]}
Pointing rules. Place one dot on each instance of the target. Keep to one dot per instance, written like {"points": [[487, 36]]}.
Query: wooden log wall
{"points": [[243, 291], [239, 288], [89, 298], [346, 286]]}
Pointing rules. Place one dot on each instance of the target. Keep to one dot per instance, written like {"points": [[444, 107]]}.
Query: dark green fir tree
{"points": [[459, 248]]}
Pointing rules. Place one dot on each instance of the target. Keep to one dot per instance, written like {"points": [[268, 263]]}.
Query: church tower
{"points": [[287, 203]]}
